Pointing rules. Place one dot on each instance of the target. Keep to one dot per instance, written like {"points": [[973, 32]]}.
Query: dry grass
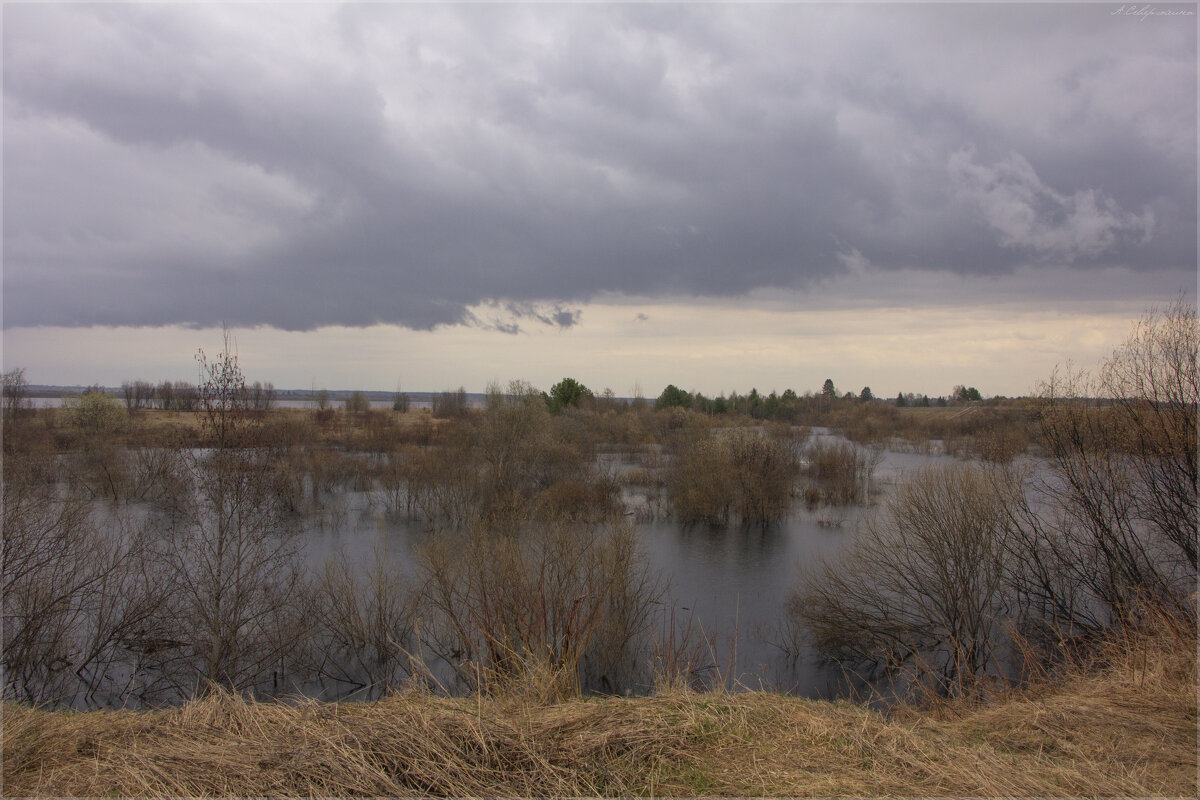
{"points": [[1126, 727], [278, 427]]}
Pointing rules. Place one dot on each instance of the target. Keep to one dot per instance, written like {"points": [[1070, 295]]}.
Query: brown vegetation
{"points": [[920, 590], [567, 601], [126, 525], [1123, 724], [1103, 529], [724, 475]]}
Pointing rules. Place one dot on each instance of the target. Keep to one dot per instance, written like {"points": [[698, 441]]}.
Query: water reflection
{"points": [[726, 586]]}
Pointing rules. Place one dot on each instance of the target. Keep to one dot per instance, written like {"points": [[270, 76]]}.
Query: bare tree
{"points": [[177, 396], [261, 396], [137, 394], [234, 573], [1155, 386], [222, 394], [16, 401]]}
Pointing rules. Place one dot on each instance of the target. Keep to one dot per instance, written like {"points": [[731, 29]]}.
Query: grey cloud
{"points": [[507, 317], [358, 164]]}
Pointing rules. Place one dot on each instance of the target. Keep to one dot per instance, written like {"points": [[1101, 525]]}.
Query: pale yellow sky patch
{"points": [[709, 347]]}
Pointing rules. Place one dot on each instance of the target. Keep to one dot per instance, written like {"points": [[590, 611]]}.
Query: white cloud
{"points": [[1029, 215]]}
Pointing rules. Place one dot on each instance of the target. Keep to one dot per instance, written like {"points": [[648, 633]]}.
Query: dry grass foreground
{"points": [[1125, 725]]}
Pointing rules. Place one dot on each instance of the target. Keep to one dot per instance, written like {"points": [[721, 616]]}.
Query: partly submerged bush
{"points": [[563, 600], [840, 474], [921, 589], [732, 475]]}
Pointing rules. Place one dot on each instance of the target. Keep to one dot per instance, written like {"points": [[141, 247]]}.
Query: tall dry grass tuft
{"points": [[1121, 725], [402, 746]]}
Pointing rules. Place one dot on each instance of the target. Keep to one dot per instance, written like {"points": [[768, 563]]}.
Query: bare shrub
{"points": [[840, 473], [1114, 522], [101, 468], [287, 429], [666, 422], [514, 447], [377, 432], [681, 655], [732, 474], [95, 413], [765, 469], [392, 483], [866, 423], [234, 574], [618, 424], [357, 404], [72, 592], [921, 588], [563, 601], [578, 501], [443, 483], [498, 468], [700, 487], [641, 477], [364, 625], [159, 476], [999, 445]]}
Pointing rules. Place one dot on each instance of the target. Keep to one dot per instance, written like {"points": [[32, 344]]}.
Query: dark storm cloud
{"points": [[392, 163]]}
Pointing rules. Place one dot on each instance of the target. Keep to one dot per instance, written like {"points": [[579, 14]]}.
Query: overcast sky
{"points": [[717, 196]]}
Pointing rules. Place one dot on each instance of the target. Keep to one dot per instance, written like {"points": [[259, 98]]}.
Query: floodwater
{"points": [[726, 587]]}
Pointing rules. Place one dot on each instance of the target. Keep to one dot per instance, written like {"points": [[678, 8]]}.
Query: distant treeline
{"points": [[182, 396]]}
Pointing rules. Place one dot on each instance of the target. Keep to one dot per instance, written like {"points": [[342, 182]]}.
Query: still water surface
{"points": [[729, 585]]}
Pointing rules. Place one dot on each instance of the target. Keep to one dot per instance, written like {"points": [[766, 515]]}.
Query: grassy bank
{"points": [[1123, 723]]}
